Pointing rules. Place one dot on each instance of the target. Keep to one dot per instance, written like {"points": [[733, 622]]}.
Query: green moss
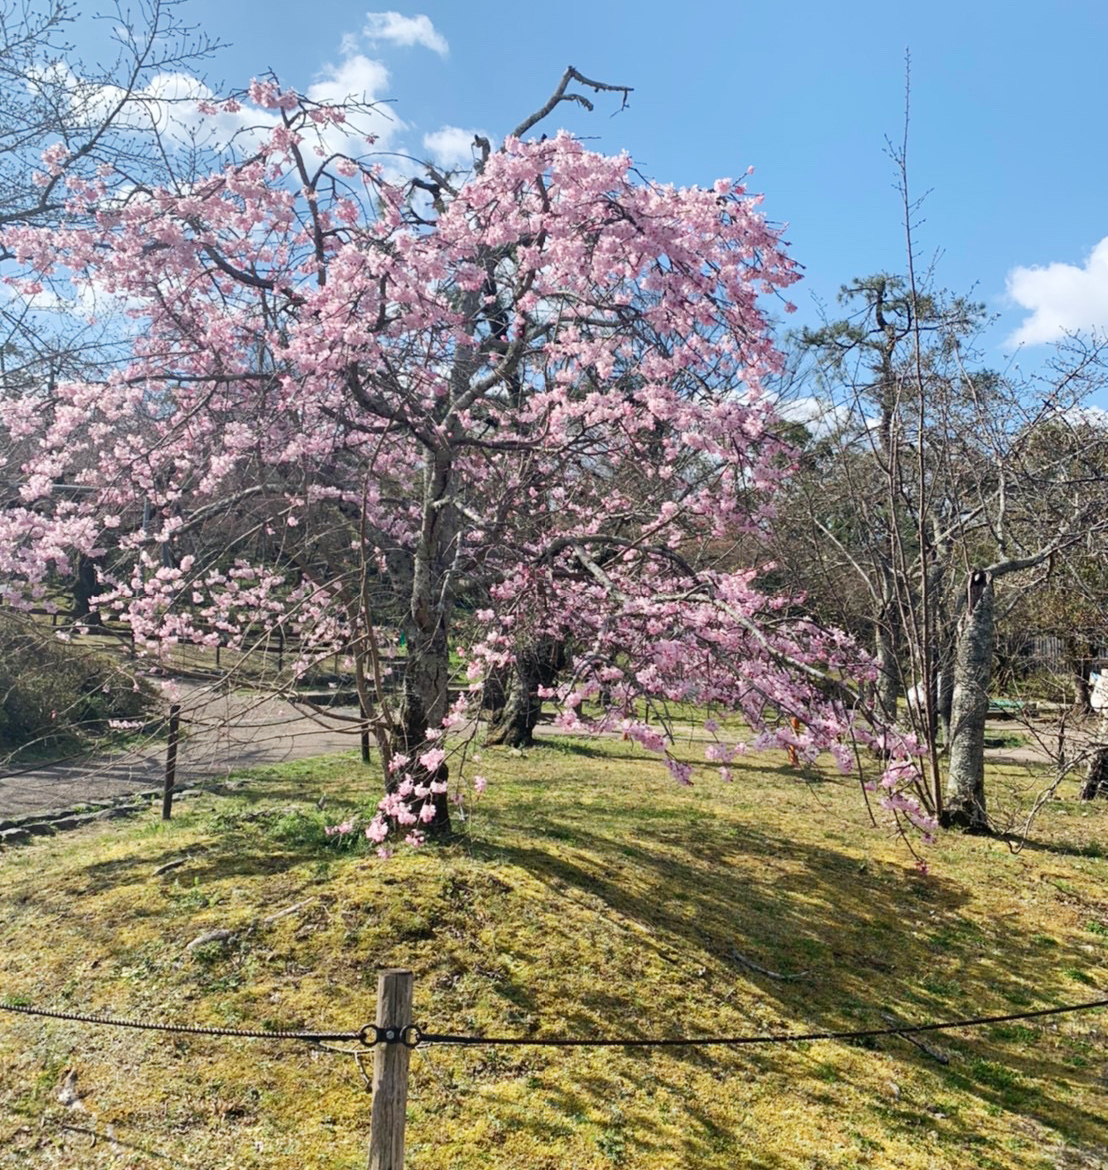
{"points": [[586, 896]]}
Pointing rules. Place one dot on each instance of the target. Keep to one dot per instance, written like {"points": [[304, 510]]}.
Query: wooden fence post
{"points": [[363, 731], [171, 760], [390, 1073]]}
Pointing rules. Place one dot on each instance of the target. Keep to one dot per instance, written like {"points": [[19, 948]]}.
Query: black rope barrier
{"points": [[422, 1037], [411, 1035], [368, 1035]]}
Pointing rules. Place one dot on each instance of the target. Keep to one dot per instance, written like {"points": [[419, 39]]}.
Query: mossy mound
{"points": [[586, 896]]}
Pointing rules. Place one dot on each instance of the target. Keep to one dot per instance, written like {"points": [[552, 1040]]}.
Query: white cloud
{"points": [[450, 147], [1088, 415], [365, 81], [168, 105], [404, 30], [820, 416], [356, 77], [84, 301], [1062, 298]]}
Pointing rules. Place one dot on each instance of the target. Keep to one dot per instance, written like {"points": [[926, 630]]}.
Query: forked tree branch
{"points": [[560, 95]]}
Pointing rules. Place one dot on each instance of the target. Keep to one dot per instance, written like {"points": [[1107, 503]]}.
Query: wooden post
{"points": [[171, 760], [390, 1073], [364, 731]]}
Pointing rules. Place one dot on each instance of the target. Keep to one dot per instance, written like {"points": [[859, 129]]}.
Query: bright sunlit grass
{"points": [[589, 896]]}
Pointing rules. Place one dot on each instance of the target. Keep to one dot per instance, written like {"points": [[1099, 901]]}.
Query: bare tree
{"points": [[932, 496], [91, 116]]}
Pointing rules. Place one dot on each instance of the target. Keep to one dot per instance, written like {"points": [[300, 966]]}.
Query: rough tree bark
{"points": [[426, 681], [888, 687], [422, 706], [83, 590], [945, 698], [1096, 777], [426, 577], [964, 802], [513, 725]]}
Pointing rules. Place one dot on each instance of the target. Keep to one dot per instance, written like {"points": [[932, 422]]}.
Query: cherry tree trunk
{"points": [[423, 704], [494, 693], [964, 802], [513, 725], [84, 589], [426, 682], [426, 690]]}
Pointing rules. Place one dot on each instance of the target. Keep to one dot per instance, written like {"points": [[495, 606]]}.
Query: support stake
{"points": [[363, 730], [390, 1073], [171, 760]]}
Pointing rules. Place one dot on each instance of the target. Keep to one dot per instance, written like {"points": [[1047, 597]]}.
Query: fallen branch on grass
{"points": [[287, 910], [210, 936], [171, 865], [764, 970]]}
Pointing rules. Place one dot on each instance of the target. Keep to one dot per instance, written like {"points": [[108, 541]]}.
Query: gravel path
{"points": [[220, 734]]}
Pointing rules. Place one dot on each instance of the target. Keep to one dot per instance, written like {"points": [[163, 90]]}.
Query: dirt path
{"points": [[225, 733], [221, 734]]}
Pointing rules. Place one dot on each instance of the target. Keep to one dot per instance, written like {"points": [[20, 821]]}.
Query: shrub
{"points": [[57, 695]]}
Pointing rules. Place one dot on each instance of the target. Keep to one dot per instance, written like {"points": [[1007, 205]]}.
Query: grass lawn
{"points": [[587, 895]]}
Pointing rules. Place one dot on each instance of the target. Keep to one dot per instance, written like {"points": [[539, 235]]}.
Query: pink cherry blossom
{"points": [[535, 410]]}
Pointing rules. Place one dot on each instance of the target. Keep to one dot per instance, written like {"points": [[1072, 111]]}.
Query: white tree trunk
{"points": [[964, 802]]}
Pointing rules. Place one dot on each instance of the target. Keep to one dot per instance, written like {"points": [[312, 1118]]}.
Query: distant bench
{"points": [[1011, 708]]}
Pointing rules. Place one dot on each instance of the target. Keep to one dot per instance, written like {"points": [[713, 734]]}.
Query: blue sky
{"points": [[1008, 131]]}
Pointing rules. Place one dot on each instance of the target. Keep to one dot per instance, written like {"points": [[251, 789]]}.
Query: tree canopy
{"points": [[537, 389]]}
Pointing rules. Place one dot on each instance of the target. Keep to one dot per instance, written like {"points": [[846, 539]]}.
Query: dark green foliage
{"points": [[60, 696]]}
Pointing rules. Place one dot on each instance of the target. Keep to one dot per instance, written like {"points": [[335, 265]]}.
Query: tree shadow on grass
{"points": [[716, 900], [1093, 849], [241, 848], [865, 944], [591, 749]]}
